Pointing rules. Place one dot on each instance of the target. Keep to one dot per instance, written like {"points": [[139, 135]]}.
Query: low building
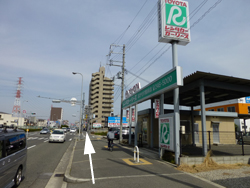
{"points": [[7, 120], [42, 123], [220, 126], [241, 106]]}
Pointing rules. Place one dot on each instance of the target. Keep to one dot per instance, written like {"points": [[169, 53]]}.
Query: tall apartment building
{"points": [[101, 96]]}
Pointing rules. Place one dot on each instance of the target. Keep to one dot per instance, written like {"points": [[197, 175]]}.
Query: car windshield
{"points": [[57, 132]]}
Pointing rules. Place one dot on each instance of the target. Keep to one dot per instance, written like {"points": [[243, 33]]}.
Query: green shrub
{"points": [[101, 133], [31, 130]]}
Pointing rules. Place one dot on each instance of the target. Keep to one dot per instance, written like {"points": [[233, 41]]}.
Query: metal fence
{"points": [[221, 143]]}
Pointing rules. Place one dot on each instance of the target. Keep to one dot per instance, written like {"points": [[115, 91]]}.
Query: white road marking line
{"points": [[46, 140], [31, 147]]}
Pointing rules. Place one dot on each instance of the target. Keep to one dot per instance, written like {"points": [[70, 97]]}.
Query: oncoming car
{"points": [[72, 130], [45, 131], [57, 135]]}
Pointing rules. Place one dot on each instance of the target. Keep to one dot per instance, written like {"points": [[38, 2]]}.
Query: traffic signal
{"points": [[33, 113]]}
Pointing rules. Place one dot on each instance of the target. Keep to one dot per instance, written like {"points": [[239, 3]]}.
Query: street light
{"points": [[80, 126]]}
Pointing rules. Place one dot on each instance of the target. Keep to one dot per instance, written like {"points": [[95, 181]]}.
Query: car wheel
{"points": [[18, 177]]}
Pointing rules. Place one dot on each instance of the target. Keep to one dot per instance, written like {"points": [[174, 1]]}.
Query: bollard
{"points": [[136, 150]]}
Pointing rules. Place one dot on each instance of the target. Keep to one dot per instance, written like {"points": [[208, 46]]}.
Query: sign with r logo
{"points": [[173, 21], [176, 15], [166, 139]]}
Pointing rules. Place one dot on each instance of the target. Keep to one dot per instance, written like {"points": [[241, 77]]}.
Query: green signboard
{"points": [[176, 15], [166, 82], [166, 132]]}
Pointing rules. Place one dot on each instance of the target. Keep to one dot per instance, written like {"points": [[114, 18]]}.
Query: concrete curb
{"points": [[67, 177]]}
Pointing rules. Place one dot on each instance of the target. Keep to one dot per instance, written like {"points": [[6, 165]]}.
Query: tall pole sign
{"points": [[173, 22], [173, 27]]}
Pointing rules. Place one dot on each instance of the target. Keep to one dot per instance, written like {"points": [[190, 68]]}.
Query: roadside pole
{"points": [[123, 65], [176, 107]]}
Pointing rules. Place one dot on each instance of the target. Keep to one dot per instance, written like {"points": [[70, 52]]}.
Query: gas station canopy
{"points": [[217, 88]]}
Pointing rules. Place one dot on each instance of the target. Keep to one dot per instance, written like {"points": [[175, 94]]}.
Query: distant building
{"points": [[42, 122], [56, 114], [100, 97], [8, 120], [241, 106]]}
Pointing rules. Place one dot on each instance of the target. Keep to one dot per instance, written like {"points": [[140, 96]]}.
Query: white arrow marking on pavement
{"points": [[89, 149]]}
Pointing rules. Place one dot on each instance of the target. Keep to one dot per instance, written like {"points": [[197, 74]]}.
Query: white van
{"points": [[13, 157]]}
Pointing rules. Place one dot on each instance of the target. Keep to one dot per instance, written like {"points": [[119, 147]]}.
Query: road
{"points": [[42, 159]]}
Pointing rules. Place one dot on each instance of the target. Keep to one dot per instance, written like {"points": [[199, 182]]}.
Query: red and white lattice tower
{"points": [[17, 108]]}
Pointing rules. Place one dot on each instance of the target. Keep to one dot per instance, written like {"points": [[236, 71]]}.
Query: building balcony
{"points": [[108, 87], [95, 82], [94, 92], [94, 101], [96, 74], [108, 92], [94, 87], [94, 96], [107, 105]]}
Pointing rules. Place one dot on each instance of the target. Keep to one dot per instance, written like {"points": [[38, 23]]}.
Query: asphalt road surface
{"points": [[42, 159]]}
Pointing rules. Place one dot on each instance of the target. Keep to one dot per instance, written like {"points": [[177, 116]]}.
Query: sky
{"points": [[44, 41]]}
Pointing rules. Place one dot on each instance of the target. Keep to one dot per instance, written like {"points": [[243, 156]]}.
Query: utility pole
{"points": [[120, 76]]}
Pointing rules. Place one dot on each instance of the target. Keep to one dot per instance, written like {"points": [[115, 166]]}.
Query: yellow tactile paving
{"points": [[113, 147], [130, 161]]}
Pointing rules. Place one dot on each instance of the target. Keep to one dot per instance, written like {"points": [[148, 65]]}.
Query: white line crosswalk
{"points": [[37, 138]]}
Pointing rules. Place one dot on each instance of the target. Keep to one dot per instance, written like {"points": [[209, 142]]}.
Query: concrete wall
{"points": [[226, 129], [219, 160]]}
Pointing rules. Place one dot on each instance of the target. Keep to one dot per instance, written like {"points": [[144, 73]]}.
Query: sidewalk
{"points": [[109, 166], [143, 152]]}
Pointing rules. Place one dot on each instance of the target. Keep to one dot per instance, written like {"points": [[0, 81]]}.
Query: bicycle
{"points": [[111, 145]]}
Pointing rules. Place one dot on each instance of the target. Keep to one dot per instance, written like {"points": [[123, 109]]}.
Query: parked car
{"points": [[73, 130], [125, 133], [246, 138], [57, 135], [45, 131]]}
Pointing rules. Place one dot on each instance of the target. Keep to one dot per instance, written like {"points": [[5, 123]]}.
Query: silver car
{"points": [[44, 131], [57, 135]]}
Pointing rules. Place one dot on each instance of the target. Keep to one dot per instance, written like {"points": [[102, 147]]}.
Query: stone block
{"points": [[227, 159]]}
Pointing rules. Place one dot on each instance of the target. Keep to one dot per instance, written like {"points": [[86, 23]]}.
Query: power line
{"points": [[121, 36]]}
